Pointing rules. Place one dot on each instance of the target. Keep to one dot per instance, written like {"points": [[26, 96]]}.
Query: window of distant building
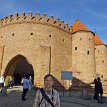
{"points": [[102, 61], [75, 48]]}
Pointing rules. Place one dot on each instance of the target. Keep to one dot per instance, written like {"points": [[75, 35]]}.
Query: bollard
{"points": [[85, 94], [4, 91]]}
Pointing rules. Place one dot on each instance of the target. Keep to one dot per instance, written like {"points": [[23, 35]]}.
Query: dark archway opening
{"points": [[17, 68]]}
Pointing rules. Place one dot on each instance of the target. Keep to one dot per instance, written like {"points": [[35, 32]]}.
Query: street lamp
{"points": [[2, 47], [42, 45], [50, 60]]}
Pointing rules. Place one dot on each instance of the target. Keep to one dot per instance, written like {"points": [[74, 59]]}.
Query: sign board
{"points": [[66, 75]]}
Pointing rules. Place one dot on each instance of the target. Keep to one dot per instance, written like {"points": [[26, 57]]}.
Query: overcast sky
{"points": [[93, 13]]}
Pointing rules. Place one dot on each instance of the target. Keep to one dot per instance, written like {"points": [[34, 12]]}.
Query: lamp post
{"points": [[50, 61], [42, 45], [2, 59]]}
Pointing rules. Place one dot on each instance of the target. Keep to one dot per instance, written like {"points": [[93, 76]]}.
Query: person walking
{"points": [[1, 82], [47, 96], [26, 84], [2, 79], [99, 90]]}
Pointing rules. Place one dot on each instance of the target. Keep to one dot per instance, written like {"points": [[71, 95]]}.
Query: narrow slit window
{"points": [[31, 33], [49, 35], [13, 34], [75, 48], [102, 61], [88, 52], [81, 39], [89, 39]]}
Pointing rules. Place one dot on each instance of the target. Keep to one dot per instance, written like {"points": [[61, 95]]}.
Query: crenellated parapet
{"points": [[11, 19]]}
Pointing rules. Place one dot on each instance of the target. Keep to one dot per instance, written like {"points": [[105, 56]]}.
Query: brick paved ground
{"points": [[13, 99]]}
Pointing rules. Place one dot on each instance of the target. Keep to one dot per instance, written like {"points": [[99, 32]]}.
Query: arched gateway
{"points": [[18, 67]]}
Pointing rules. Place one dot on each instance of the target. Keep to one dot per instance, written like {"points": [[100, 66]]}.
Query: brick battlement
{"points": [[23, 18]]}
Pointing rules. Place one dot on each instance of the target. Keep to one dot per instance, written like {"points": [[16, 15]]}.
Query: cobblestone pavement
{"points": [[13, 99]]}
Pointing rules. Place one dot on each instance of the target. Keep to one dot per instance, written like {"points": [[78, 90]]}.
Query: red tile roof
{"points": [[98, 41], [78, 26]]}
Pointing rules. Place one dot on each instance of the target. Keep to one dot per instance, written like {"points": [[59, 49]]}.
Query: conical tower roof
{"points": [[79, 26], [97, 40]]}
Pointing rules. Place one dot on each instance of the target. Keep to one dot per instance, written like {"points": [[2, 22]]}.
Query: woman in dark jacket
{"points": [[99, 90]]}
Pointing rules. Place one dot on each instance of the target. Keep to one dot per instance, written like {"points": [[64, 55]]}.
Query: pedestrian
{"points": [[1, 82], [12, 82], [30, 85], [6, 85], [7, 81], [26, 84], [4, 90], [99, 90], [47, 96], [95, 89], [2, 79]]}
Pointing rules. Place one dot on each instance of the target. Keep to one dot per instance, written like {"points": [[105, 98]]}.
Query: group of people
{"points": [[45, 97], [49, 97], [98, 90]]}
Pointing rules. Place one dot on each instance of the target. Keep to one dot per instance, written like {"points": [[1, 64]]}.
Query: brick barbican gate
{"points": [[37, 45]]}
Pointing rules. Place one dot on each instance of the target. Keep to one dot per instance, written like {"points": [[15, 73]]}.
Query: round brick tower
{"points": [[101, 58], [83, 52], [101, 61]]}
